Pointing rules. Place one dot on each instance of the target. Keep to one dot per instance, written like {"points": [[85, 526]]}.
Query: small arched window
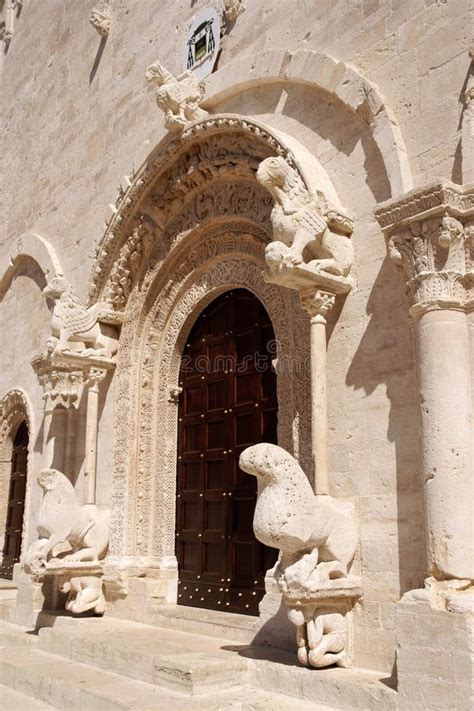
{"points": [[16, 502]]}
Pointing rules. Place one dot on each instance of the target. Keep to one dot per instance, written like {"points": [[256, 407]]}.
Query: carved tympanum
{"points": [[178, 97], [317, 539]]}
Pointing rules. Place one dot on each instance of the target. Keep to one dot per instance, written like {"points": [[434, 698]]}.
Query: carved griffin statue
{"points": [[74, 326], [299, 227], [66, 527], [317, 539], [178, 97]]}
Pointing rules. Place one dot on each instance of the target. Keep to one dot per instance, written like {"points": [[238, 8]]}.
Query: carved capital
{"points": [[429, 238], [63, 377], [316, 303]]}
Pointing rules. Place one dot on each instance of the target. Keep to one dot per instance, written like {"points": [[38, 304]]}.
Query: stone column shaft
{"points": [[430, 240], [90, 471], [446, 419]]}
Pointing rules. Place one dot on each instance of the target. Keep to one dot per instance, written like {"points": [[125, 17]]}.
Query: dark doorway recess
{"points": [[16, 502], [228, 402]]}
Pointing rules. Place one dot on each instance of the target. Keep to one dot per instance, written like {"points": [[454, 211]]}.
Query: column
{"points": [[317, 303], [94, 378], [429, 240], [429, 246]]}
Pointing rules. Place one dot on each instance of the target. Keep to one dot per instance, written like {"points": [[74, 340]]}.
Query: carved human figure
{"points": [[84, 594], [178, 97], [66, 527], [74, 326], [300, 230], [317, 535], [321, 636]]}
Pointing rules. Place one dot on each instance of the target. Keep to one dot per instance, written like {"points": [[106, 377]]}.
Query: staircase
{"points": [[109, 664]]}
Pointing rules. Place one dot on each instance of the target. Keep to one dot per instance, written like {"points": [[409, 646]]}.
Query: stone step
{"points": [[14, 636], [212, 623], [8, 589], [173, 660], [39, 681], [14, 701]]}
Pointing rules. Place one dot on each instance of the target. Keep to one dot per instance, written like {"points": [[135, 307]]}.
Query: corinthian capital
{"points": [[429, 239]]}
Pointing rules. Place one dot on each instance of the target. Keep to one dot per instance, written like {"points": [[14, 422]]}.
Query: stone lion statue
{"points": [[81, 532], [317, 535], [179, 98], [72, 324], [300, 230]]}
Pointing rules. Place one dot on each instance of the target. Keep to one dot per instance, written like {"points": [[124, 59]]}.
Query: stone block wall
{"points": [[77, 115]]}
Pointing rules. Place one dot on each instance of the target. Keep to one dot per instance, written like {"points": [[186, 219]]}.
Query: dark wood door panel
{"points": [[16, 503], [228, 403]]}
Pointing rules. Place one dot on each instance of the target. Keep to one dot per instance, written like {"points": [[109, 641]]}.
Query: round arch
{"points": [[15, 408]]}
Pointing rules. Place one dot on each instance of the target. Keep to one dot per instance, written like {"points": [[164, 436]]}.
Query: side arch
{"points": [[29, 246], [336, 77], [15, 408]]}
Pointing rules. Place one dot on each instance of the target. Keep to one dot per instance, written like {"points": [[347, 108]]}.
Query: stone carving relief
{"points": [[100, 18], [233, 9], [434, 252], [206, 151], [178, 97], [11, 10], [127, 265], [300, 229], [76, 328], [69, 533], [72, 543], [317, 538]]}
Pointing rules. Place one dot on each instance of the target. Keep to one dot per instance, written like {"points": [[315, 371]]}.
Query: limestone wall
{"points": [[77, 114]]}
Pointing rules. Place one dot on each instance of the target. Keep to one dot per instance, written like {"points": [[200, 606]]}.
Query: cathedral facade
{"points": [[236, 264]]}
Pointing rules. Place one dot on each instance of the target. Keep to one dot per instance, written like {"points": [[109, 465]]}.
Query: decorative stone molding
{"points": [[178, 97], [429, 237], [101, 18], [317, 538], [63, 377]]}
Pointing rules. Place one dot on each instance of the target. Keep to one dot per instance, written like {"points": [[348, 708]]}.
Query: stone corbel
{"points": [[11, 12]]}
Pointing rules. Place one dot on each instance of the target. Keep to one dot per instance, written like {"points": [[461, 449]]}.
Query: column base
{"points": [[435, 648]]}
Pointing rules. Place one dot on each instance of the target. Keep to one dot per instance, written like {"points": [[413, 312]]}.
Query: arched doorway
{"points": [[228, 402], [16, 502]]}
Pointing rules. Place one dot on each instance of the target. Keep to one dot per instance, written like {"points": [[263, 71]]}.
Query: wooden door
{"points": [[16, 502], [228, 403]]}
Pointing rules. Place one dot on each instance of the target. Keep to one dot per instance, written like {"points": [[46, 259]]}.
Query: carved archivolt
{"points": [[192, 223]]}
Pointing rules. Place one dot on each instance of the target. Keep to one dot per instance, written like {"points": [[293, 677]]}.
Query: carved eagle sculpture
{"points": [[312, 532]]}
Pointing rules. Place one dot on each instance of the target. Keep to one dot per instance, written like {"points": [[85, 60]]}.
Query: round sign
{"points": [[202, 43]]}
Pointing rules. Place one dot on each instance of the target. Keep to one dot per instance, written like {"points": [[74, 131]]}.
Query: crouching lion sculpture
{"points": [[317, 539], [81, 532]]}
